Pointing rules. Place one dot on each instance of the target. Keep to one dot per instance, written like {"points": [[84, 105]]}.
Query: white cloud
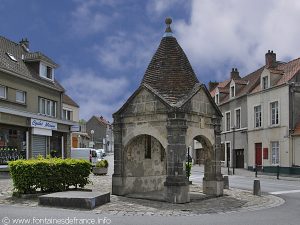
{"points": [[96, 95], [124, 51], [89, 18], [233, 32], [159, 7]]}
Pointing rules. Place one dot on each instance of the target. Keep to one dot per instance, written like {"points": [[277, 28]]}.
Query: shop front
{"points": [[31, 137], [49, 138], [13, 143]]}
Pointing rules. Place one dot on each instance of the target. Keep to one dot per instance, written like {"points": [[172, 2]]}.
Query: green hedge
{"points": [[188, 169], [49, 175]]}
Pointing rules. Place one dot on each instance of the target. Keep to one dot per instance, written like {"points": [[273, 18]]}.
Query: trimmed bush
{"points": [[102, 164], [188, 169], [48, 175]]}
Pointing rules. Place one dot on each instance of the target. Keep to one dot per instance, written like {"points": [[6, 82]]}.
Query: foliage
{"points": [[48, 175], [102, 163], [188, 168], [54, 153]]}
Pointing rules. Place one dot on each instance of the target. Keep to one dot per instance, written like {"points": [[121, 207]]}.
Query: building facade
{"points": [[31, 105], [274, 114], [79, 137], [261, 115], [101, 133]]}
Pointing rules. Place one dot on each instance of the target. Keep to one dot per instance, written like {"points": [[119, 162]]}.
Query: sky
{"points": [[103, 47]]}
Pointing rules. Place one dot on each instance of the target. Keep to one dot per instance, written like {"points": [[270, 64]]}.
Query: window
{"points": [[147, 147], [232, 91], [275, 152], [257, 116], [47, 107], [265, 82], [227, 125], [67, 114], [238, 118], [217, 98], [46, 71], [20, 96], [2, 91], [274, 113], [12, 57]]}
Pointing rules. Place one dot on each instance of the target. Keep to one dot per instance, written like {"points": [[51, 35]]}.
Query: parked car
{"points": [[102, 152], [99, 154], [88, 154]]}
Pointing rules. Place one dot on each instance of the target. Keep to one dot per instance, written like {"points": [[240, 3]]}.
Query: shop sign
{"points": [[75, 128], [43, 124]]}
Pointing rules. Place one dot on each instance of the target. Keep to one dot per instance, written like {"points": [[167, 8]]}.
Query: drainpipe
{"points": [[292, 101], [62, 147], [27, 144]]}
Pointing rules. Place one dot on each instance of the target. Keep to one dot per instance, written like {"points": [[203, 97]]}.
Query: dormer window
{"points": [[265, 82], [217, 98], [12, 57], [46, 71], [232, 91]]}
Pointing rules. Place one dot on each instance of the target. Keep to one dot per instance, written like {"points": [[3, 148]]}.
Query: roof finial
{"points": [[168, 21], [168, 31]]}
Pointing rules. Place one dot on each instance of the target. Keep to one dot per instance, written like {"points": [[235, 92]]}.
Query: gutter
{"points": [[30, 79], [35, 116]]}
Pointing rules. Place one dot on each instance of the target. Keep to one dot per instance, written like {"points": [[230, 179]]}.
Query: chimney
{"points": [[212, 85], [25, 44], [270, 59], [234, 74]]}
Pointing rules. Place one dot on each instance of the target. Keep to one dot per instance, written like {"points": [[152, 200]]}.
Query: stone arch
{"points": [[192, 132], [145, 130], [208, 149], [144, 161]]}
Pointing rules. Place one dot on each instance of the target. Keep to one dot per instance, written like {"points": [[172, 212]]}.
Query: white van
{"points": [[88, 154]]}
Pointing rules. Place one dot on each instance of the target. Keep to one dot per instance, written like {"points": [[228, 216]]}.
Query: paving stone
{"points": [[234, 200]]}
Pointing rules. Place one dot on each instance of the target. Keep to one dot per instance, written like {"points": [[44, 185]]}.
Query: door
{"points": [[228, 154], [39, 145], [258, 152], [239, 157]]}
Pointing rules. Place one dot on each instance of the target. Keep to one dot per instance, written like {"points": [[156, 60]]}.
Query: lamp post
{"points": [[92, 133], [233, 149], [79, 141]]}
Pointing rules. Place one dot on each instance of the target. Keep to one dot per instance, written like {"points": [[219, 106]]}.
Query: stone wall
{"points": [[144, 174]]}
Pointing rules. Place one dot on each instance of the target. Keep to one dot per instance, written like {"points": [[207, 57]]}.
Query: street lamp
{"points": [[79, 141], [92, 133], [233, 149]]}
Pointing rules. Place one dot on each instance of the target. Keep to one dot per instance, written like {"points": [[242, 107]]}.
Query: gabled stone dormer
{"points": [[232, 89], [274, 74]]}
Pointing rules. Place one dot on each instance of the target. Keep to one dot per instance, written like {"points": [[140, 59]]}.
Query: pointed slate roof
{"points": [[170, 73]]}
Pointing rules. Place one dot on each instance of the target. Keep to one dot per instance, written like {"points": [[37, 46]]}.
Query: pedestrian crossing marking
{"points": [[284, 192]]}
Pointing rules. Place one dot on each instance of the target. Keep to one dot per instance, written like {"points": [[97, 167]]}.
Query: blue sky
{"points": [[103, 47]]}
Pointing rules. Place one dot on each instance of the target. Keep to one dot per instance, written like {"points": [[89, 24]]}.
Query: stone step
{"points": [[75, 199]]}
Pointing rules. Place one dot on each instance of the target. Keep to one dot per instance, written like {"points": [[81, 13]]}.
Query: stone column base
{"points": [[177, 194], [117, 185], [213, 187]]}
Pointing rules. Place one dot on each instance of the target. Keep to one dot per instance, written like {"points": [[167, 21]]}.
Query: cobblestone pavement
{"points": [[234, 200]]}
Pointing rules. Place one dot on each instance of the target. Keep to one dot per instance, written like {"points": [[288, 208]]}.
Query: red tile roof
{"points": [[102, 120], [248, 83], [297, 129]]}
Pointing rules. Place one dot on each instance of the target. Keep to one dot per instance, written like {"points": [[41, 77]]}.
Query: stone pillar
{"points": [[213, 183], [117, 177], [176, 185]]}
